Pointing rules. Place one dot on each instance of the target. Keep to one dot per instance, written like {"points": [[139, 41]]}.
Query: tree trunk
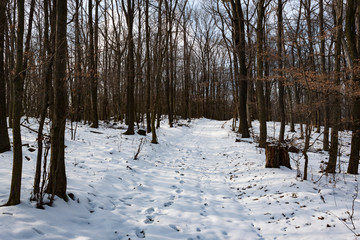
{"points": [[15, 189], [280, 66], [355, 140], [12, 65], [130, 67], [92, 68], [292, 124], [148, 68], [239, 29], [156, 75], [306, 148], [57, 176], [353, 36], [336, 110], [186, 73], [77, 91], [260, 67], [45, 104], [4, 135], [323, 72]]}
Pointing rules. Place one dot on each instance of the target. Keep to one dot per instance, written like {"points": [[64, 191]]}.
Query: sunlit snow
{"points": [[197, 183]]}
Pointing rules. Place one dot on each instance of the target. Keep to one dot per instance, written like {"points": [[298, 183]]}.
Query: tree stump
{"points": [[276, 156], [141, 132]]}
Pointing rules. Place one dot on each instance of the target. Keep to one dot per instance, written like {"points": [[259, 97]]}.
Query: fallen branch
{"points": [[33, 130], [96, 132]]}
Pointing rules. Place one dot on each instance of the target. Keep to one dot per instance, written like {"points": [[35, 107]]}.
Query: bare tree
{"points": [[4, 136], [336, 109], [260, 68], [129, 11], [57, 176], [47, 78], [323, 72], [15, 189], [280, 68], [93, 65], [240, 48], [353, 36]]}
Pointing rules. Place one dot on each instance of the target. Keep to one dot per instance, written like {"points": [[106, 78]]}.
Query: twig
{"points": [[141, 145], [33, 130], [354, 197], [356, 234]]}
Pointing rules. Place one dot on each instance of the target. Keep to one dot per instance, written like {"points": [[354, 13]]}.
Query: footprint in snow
{"points": [[197, 237], [38, 231], [149, 219], [126, 203], [179, 191], [168, 204], [140, 233], [204, 214], [150, 210], [91, 205], [176, 228]]}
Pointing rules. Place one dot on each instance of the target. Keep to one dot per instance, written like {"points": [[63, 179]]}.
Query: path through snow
{"points": [[198, 183]]}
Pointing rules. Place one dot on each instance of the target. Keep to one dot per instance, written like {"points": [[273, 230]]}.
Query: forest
{"points": [[138, 62]]}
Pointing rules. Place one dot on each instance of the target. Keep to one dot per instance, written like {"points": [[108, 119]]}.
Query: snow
{"points": [[197, 183]]}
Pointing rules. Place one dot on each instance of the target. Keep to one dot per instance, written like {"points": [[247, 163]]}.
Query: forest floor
{"points": [[197, 183]]}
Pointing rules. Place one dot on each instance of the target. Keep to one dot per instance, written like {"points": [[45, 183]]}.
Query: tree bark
{"points": [[333, 152], [323, 71], [48, 55], [57, 176], [276, 156], [156, 75], [239, 30], [353, 37], [280, 68], [93, 68], [4, 135], [130, 67], [18, 84], [78, 99], [148, 68], [260, 67]]}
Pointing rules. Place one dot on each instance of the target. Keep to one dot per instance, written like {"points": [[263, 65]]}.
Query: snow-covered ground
{"points": [[198, 183]]}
